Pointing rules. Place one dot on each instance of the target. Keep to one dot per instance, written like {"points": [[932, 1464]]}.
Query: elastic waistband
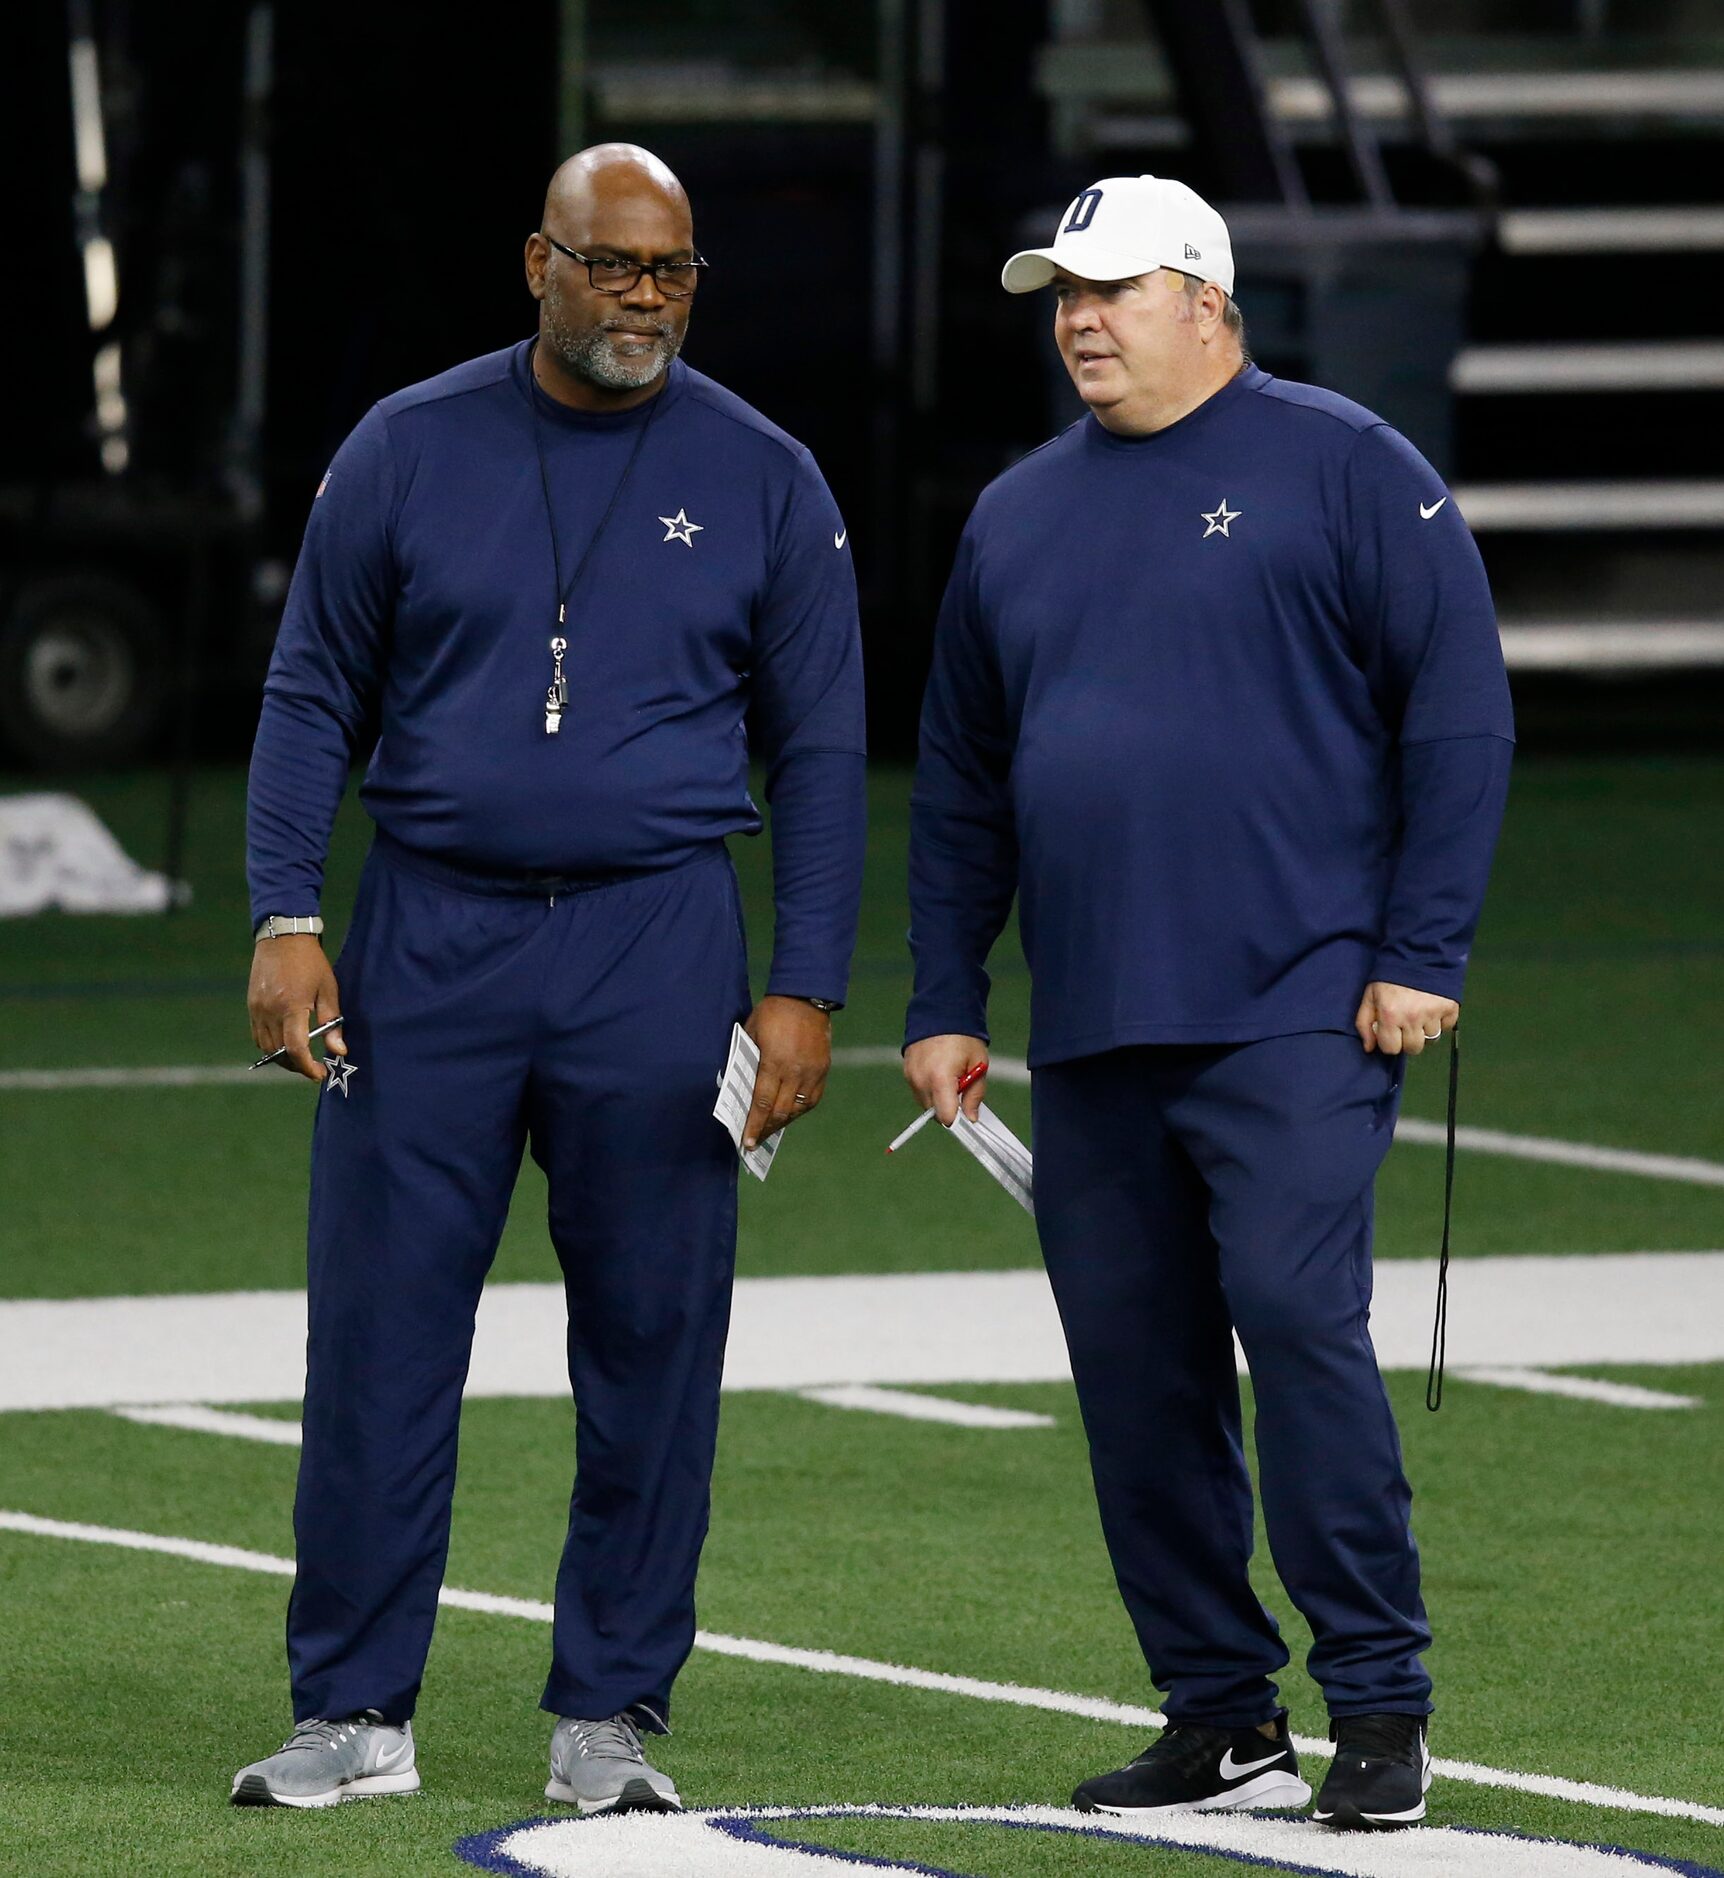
{"points": [[514, 884]]}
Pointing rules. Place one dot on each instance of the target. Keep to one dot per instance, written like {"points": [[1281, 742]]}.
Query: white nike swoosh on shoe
{"points": [[1426, 514], [1231, 1769], [1276, 1792], [1410, 1817]]}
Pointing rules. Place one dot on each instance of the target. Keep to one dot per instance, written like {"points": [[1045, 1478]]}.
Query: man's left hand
{"points": [[795, 1043], [1398, 1020]]}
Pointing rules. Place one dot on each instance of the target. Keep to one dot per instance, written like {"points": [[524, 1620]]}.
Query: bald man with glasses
{"points": [[542, 592]]}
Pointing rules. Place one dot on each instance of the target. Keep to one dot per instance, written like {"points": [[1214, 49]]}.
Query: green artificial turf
{"points": [[149, 1190], [1599, 965], [1567, 1557], [1570, 1548]]}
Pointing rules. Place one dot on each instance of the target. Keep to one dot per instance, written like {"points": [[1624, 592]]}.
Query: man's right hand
{"points": [[932, 1068], [292, 991]]}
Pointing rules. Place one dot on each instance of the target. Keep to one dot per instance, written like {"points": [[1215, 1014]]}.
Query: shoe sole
{"points": [[1350, 1819], [1269, 1793], [637, 1796], [254, 1790]]}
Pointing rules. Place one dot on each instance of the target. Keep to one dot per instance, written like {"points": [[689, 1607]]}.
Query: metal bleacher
{"points": [[1498, 221], [1588, 392]]}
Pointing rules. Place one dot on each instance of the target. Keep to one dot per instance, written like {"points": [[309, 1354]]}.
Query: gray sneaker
{"points": [[324, 1762], [599, 1767]]}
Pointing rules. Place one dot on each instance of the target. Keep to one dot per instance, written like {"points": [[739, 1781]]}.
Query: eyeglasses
{"points": [[610, 273]]}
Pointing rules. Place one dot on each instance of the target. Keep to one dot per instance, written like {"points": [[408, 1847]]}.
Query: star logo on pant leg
{"points": [[678, 527], [1218, 518], [340, 1073]]}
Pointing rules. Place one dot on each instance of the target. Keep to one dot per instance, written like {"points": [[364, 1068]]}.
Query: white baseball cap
{"points": [[1126, 225]]}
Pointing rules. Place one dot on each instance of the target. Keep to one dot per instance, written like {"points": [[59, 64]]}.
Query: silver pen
{"points": [[966, 1082], [275, 1056]]}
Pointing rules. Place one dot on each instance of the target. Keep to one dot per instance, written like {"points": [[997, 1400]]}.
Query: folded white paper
{"points": [[1000, 1152], [735, 1094]]}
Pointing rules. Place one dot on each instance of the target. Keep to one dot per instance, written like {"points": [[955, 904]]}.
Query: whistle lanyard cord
{"points": [[564, 594]]}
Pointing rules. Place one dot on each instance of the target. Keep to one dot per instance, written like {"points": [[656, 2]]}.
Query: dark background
{"points": [[407, 156]]}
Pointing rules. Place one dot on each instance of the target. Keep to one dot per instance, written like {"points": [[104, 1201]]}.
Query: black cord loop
{"points": [[1440, 1329]]}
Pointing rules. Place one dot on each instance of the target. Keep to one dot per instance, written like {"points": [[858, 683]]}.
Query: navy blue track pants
{"points": [[1182, 1194], [591, 1024]]}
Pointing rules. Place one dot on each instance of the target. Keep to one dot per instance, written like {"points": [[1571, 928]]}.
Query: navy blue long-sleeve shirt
{"points": [[420, 619], [1225, 705]]}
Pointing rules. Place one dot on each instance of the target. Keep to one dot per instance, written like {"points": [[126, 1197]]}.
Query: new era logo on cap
{"points": [[1124, 226]]}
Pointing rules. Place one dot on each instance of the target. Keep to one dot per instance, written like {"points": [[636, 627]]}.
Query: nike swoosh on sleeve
{"points": [[839, 540], [1426, 514]]}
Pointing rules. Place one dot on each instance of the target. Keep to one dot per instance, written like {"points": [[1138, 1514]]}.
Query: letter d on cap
{"points": [[1081, 213]]}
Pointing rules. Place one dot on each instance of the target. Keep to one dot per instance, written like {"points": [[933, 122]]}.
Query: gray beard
{"points": [[588, 354]]}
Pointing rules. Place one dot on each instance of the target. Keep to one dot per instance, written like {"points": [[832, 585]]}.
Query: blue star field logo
{"points": [[728, 1842]]}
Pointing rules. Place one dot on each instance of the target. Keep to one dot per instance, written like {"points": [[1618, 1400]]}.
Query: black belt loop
{"points": [[1440, 1329]]}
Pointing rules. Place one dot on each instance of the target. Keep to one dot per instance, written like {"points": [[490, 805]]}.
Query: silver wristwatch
{"points": [[278, 925], [823, 1004]]}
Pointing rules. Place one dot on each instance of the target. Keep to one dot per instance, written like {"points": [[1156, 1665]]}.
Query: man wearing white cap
{"points": [[1217, 691]]}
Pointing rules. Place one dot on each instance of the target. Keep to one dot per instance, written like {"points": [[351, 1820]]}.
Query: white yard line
{"points": [[196, 1075], [872, 1056], [237, 1558], [866, 1669], [911, 1330], [213, 1421], [1680, 1167], [156, 1076], [1581, 1388], [907, 1404], [1566, 1153], [1003, 1069], [914, 1407]]}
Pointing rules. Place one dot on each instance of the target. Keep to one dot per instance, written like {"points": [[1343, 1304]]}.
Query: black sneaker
{"points": [[1197, 1769], [1380, 1774]]}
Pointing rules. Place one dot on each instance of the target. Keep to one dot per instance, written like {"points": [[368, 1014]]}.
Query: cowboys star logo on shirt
{"points": [[1218, 518]]}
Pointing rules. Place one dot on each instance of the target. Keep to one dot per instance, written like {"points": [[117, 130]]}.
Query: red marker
{"points": [[968, 1080]]}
